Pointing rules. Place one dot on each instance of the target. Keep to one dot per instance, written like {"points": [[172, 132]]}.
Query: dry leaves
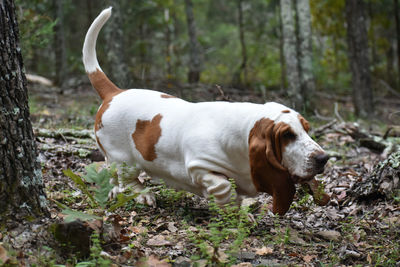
{"points": [[264, 251], [3, 255], [309, 258], [157, 241]]}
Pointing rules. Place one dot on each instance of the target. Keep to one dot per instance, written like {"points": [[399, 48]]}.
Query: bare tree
{"points": [[243, 65], [290, 52], [396, 17], [194, 46], [59, 44], [305, 50], [21, 185], [357, 40]]}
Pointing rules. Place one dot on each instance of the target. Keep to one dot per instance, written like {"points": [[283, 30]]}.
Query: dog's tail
{"points": [[99, 80]]}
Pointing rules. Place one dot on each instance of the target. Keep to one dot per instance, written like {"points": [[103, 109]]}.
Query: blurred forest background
{"points": [[303, 51]]}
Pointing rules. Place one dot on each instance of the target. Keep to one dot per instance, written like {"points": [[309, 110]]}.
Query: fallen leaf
{"points": [[369, 259], [329, 235], [171, 227], [157, 241], [3, 255], [152, 261], [264, 251], [341, 196], [308, 258]]}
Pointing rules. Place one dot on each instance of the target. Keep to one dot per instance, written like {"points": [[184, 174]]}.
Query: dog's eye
{"points": [[289, 135]]}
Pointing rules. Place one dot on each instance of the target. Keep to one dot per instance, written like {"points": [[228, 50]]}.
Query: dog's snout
{"points": [[321, 160]]}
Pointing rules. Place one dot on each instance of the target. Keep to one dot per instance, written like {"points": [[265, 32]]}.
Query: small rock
{"points": [[158, 241], [330, 235], [352, 254], [182, 262], [246, 255]]}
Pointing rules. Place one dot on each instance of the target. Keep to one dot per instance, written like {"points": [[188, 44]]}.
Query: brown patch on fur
{"points": [[106, 90], [167, 96], [146, 137], [286, 111], [104, 87], [101, 146], [304, 122], [267, 142]]}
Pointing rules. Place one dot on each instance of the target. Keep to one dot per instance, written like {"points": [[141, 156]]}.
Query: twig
{"points": [[320, 130], [388, 87], [337, 112], [321, 117], [223, 96]]}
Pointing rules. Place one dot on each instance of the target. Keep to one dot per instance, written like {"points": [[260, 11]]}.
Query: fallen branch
{"points": [[64, 133], [320, 130]]}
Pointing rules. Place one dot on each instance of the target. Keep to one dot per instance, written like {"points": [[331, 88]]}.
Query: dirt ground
{"points": [[353, 229]]}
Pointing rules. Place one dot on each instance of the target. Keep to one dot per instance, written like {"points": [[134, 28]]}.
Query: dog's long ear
{"points": [[304, 123], [267, 173], [273, 149]]}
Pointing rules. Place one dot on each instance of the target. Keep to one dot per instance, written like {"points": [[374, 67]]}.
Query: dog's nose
{"points": [[321, 160]]}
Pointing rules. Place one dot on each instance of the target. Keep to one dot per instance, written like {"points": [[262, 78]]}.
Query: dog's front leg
{"points": [[214, 184]]}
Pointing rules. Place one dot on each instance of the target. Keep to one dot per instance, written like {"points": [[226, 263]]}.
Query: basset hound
{"points": [[198, 147]]}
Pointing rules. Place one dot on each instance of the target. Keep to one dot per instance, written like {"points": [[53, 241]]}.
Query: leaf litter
{"points": [[356, 227]]}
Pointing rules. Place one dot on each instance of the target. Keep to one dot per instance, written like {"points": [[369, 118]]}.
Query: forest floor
{"points": [[359, 226]]}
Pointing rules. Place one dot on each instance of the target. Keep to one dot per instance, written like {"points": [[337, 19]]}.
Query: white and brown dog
{"points": [[197, 146]]}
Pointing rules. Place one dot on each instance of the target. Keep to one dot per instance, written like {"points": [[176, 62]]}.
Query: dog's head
{"points": [[282, 147]]}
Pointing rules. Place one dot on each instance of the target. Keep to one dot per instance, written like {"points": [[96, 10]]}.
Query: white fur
{"points": [[201, 144], [89, 46], [196, 140]]}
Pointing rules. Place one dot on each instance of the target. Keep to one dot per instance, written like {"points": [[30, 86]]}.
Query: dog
{"points": [[198, 147]]}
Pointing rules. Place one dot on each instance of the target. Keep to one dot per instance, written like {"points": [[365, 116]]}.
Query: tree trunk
{"points": [[281, 53], [169, 45], [396, 16], [243, 65], [357, 41], [305, 51], [290, 51], [116, 55], [59, 44], [194, 47], [21, 185]]}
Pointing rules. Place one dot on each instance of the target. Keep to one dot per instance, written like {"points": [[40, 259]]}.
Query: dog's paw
{"points": [[114, 192], [146, 199]]}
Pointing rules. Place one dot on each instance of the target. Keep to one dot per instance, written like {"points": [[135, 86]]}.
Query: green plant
{"points": [[95, 185], [229, 222], [169, 195], [95, 259]]}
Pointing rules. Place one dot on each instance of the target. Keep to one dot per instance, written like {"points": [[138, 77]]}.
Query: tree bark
{"points": [[21, 185], [357, 40], [281, 52], [397, 19], [59, 44], [194, 47], [290, 51], [116, 54], [243, 65], [305, 51]]}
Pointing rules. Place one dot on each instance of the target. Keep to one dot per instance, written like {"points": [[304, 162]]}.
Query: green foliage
{"points": [[170, 195], [35, 25], [95, 259], [96, 186], [101, 180], [229, 222]]}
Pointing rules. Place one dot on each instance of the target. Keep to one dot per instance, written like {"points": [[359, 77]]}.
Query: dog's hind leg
{"points": [[128, 178]]}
